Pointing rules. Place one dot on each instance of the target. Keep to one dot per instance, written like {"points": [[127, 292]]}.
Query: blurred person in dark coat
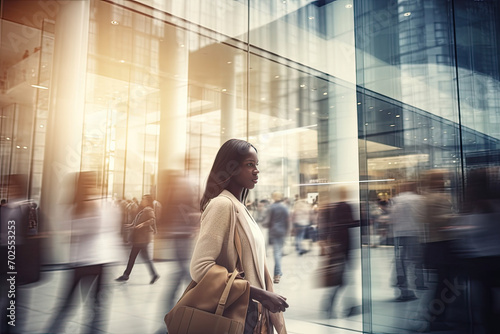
{"points": [[180, 222], [334, 220], [181, 219], [131, 210], [478, 247], [95, 243], [438, 255], [142, 230]]}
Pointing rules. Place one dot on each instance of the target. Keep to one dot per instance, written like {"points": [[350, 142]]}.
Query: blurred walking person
{"points": [[334, 220], [278, 221], [142, 230], [438, 250], [407, 228], [477, 249], [94, 242], [301, 218], [180, 220]]}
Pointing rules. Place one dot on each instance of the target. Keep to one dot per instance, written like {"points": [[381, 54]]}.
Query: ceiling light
{"points": [[407, 14], [348, 5], [38, 86], [114, 22]]}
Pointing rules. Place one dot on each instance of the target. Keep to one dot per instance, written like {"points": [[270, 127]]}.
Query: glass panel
{"points": [[225, 20], [134, 161], [154, 91], [6, 146], [477, 32], [217, 100], [317, 34], [304, 128], [25, 64], [42, 108], [416, 124], [16, 133]]}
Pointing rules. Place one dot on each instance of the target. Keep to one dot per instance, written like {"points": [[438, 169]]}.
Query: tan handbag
{"points": [[217, 304]]}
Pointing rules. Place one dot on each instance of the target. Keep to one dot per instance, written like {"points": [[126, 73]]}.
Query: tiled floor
{"points": [[138, 307]]}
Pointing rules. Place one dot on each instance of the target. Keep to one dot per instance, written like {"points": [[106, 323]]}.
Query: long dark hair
{"points": [[226, 164]]}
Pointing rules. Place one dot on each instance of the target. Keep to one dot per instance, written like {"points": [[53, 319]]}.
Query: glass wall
{"points": [[427, 106], [346, 101]]}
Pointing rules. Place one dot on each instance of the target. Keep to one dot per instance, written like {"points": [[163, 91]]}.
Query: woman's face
{"points": [[247, 177]]}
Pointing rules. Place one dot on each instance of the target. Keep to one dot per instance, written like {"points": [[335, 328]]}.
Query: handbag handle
{"points": [[225, 293]]}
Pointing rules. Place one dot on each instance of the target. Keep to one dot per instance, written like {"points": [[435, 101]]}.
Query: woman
{"points": [[233, 173], [143, 228]]}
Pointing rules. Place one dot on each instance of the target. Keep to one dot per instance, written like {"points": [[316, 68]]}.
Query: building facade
{"points": [[364, 95]]}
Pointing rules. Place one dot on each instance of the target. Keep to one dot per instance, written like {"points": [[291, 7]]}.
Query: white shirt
{"points": [[259, 243]]}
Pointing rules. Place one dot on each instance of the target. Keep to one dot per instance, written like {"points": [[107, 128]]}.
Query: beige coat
{"points": [[215, 245]]}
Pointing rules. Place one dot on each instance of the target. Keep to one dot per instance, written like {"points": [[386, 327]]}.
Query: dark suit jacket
{"points": [[144, 234]]}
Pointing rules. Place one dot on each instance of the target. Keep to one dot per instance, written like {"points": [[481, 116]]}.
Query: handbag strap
{"points": [[227, 289], [237, 243], [225, 294]]}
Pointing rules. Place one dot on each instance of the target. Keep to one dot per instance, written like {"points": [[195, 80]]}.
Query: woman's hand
{"points": [[270, 300]]}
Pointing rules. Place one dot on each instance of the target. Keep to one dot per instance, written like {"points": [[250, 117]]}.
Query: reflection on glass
{"points": [[394, 101]]}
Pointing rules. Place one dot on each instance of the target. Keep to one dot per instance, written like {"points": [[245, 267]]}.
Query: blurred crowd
{"points": [[446, 252], [444, 239], [97, 231]]}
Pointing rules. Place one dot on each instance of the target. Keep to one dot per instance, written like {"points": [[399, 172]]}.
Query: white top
{"points": [[406, 215], [259, 243]]}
